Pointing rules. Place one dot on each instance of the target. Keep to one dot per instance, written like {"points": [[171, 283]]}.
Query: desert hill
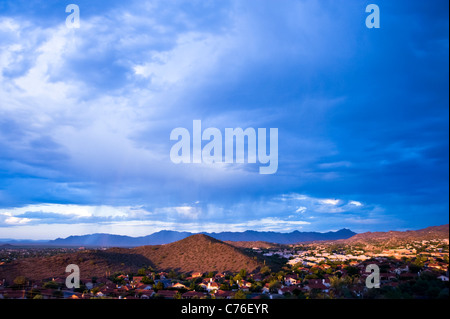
{"points": [[91, 262], [194, 253], [199, 253], [394, 237]]}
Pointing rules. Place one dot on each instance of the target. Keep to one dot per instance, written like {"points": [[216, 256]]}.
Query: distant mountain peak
{"points": [[433, 232], [169, 236]]}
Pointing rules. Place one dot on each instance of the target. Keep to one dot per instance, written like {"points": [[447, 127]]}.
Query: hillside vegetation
{"points": [[199, 253]]}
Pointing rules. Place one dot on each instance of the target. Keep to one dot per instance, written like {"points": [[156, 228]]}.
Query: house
{"points": [[224, 294], [244, 284], [193, 295], [318, 284], [12, 294], [219, 276], [289, 290], [137, 279], [436, 266], [387, 276], [107, 290], [266, 289], [89, 285], [76, 295], [122, 289], [166, 282], [443, 278], [408, 275], [144, 294], [196, 274], [399, 270], [257, 277], [203, 285], [290, 280], [169, 294], [124, 277], [140, 286], [179, 285], [212, 286]]}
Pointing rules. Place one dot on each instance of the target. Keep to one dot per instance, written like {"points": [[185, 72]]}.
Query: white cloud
{"points": [[174, 213], [301, 209], [269, 214], [194, 54], [188, 211], [11, 220], [333, 202], [356, 203], [76, 211]]}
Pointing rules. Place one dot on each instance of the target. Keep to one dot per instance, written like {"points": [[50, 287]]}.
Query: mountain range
{"points": [[166, 237], [243, 239]]}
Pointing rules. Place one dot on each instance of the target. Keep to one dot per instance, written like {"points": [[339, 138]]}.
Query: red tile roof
{"points": [[191, 294], [167, 293]]}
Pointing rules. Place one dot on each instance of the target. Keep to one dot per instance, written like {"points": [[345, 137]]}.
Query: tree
{"points": [[414, 268], [20, 281], [274, 286], [177, 295], [147, 281], [224, 286], [57, 294], [352, 271], [243, 273], [95, 290], [142, 272], [240, 295], [32, 293], [238, 277], [159, 285], [340, 284], [256, 287], [51, 285], [265, 270]]}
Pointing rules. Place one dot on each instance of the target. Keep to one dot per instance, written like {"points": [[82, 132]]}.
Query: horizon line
{"points": [[5, 240], [177, 231]]}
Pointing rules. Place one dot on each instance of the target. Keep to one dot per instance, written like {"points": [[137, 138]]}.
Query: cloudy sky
{"points": [[86, 115]]}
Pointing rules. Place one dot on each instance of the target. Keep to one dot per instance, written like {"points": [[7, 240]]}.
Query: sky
{"points": [[86, 115]]}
